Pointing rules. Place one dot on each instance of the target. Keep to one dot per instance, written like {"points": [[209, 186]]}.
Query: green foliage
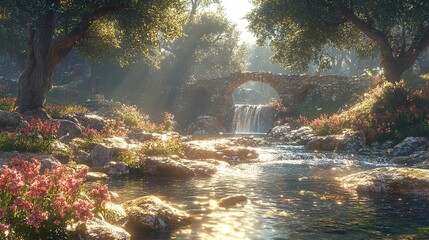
{"points": [[159, 147], [56, 111], [130, 157], [299, 31], [130, 115]]}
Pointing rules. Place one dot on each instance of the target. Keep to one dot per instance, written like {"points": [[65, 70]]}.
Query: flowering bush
{"points": [[57, 110], [7, 104], [35, 137], [279, 108], [40, 206]]}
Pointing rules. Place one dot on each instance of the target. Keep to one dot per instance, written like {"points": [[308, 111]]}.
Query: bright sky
{"points": [[236, 10]]}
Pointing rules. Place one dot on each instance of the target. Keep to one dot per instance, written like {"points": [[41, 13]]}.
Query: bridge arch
{"points": [[292, 90]]}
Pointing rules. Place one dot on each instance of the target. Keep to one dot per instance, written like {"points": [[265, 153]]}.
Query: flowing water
{"points": [[293, 194], [252, 118]]}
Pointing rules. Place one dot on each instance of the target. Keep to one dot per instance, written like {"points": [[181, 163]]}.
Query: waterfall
{"points": [[252, 118]]}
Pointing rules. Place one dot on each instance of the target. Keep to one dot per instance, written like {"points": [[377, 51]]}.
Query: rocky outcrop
{"points": [[177, 168], [151, 213], [91, 120], [389, 180], [408, 146], [231, 201], [96, 176], [204, 125], [416, 159], [324, 143], [115, 214], [116, 169]]}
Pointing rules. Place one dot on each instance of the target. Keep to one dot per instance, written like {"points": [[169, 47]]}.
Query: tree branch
{"points": [[416, 48], [27, 13]]}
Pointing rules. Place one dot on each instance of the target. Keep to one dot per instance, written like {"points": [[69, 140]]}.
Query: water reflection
{"points": [[292, 195]]}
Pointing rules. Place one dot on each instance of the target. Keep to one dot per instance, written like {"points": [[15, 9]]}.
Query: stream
{"points": [[293, 194]]}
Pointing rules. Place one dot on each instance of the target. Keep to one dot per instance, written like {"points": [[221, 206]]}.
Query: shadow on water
{"points": [[292, 194]]}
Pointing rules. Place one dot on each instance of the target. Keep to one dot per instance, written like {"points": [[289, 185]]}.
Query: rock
{"points": [[115, 214], [68, 130], [284, 132], [141, 135], [387, 144], [10, 119], [415, 158], [352, 141], [91, 120], [220, 150], [107, 152], [166, 166], [151, 213], [408, 146], [204, 125], [324, 143], [38, 113], [231, 201], [97, 229], [82, 157], [115, 169], [96, 176], [389, 180], [61, 151]]}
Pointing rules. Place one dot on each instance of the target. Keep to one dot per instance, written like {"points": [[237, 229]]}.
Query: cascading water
{"points": [[252, 118]]}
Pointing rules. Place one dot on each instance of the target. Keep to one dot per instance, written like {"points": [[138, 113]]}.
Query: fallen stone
{"points": [[389, 180], [151, 213], [231, 201]]}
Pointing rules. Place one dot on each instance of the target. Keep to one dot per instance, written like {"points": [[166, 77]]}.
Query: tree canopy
{"points": [[299, 30], [47, 30]]}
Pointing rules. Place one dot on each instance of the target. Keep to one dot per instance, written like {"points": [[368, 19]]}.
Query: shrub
{"points": [[158, 147], [36, 137], [7, 104], [41, 206], [130, 115], [56, 111]]}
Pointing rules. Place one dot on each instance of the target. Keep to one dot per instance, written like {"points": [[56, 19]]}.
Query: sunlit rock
{"points": [[91, 120], [108, 151], [413, 159], [97, 229], [389, 180], [231, 201], [151, 213], [180, 168], [114, 168], [115, 214], [408, 146], [350, 141], [284, 132], [324, 143], [96, 176]]}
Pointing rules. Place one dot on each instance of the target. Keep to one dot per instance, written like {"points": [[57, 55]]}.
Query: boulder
{"points": [[96, 176], [10, 119], [68, 130], [115, 214], [231, 201], [115, 169], [413, 159], [324, 143], [91, 120], [284, 132], [182, 168], [408, 146], [204, 125], [389, 180], [107, 152], [97, 229], [352, 141], [151, 213]]}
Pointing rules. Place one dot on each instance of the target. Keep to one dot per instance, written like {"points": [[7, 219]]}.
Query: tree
{"points": [[121, 29], [298, 30]]}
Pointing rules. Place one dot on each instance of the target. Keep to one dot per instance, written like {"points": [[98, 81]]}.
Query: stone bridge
{"points": [[213, 97]]}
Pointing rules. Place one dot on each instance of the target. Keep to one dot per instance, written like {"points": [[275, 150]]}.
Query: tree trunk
{"points": [[35, 80], [392, 73]]}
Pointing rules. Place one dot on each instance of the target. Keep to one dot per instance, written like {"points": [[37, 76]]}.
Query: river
{"points": [[293, 194]]}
